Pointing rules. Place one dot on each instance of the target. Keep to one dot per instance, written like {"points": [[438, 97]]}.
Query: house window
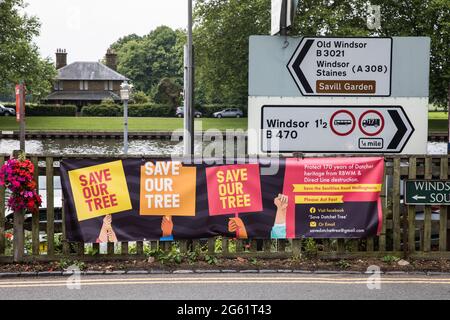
{"points": [[109, 86], [84, 85], [58, 86]]}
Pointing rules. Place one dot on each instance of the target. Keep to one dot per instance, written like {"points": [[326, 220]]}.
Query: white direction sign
{"points": [[335, 129], [343, 66]]}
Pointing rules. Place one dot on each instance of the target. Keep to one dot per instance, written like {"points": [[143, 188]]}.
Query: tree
{"points": [[423, 18], [168, 92], [146, 60], [223, 28], [19, 56]]}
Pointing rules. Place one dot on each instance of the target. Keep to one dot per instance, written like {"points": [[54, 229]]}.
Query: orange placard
{"points": [[167, 189]]}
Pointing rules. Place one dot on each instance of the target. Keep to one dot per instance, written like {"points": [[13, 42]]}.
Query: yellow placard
{"points": [[168, 189], [321, 188], [100, 190], [318, 199]]}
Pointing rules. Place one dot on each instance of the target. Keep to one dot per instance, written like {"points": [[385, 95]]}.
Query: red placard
{"points": [[234, 189]]}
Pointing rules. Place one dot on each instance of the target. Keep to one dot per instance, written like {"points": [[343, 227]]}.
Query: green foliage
{"points": [[66, 263], [212, 260], [148, 59], [390, 259], [310, 246], [423, 18], [19, 56], [134, 110], [221, 41], [51, 111], [343, 264], [139, 97], [168, 91], [150, 110], [223, 29], [102, 110]]}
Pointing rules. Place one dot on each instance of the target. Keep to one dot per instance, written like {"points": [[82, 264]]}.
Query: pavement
{"points": [[228, 286]]}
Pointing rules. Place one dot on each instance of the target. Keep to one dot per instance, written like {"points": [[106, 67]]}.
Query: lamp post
{"points": [[189, 89], [125, 96]]}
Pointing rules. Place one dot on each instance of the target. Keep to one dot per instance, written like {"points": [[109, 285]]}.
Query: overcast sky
{"points": [[86, 28]]}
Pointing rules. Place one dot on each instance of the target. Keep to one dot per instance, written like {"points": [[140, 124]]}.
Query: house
{"points": [[83, 83]]}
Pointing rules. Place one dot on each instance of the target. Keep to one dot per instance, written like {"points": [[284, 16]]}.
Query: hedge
{"points": [[46, 110], [51, 111], [102, 110], [134, 110]]}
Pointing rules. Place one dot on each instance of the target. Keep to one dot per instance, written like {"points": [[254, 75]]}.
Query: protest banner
{"points": [[124, 200]]}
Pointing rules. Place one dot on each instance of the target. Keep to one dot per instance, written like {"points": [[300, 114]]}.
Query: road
{"points": [[226, 286]]}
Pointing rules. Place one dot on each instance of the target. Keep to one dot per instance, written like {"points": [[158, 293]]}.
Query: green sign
{"points": [[427, 192]]}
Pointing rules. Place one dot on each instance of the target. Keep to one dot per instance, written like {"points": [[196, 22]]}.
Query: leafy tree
{"points": [[168, 92], [423, 18], [224, 26], [139, 97], [221, 45], [19, 56], [146, 60]]}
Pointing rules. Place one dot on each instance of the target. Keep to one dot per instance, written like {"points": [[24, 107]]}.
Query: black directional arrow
{"points": [[296, 66], [401, 129]]}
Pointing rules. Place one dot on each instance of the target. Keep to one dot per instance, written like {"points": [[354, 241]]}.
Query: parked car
{"points": [[229, 113], [6, 111], [180, 113]]}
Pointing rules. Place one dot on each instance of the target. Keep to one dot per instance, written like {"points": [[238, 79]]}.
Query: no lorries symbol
{"points": [[332, 129]]}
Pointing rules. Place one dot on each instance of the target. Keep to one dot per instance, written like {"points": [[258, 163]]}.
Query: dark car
{"points": [[229, 113], [7, 111], [180, 113]]}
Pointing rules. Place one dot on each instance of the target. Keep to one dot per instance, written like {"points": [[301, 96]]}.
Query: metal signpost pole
{"points": [[189, 89], [22, 116], [125, 126], [125, 96]]}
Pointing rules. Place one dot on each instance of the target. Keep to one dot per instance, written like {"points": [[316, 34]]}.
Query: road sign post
{"points": [[335, 129], [20, 113], [343, 66], [427, 192], [371, 93]]}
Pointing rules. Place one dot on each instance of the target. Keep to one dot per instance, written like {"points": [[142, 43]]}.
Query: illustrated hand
{"points": [[281, 202], [103, 237], [111, 236], [236, 225], [167, 226], [107, 233]]}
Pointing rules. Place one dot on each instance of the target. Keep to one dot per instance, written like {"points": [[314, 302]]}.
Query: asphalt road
{"points": [[228, 286]]}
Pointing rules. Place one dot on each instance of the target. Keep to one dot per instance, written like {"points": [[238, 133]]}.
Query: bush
{"points": [[150, 110], [44, 110], [135, 110], [209, 109], [101, 110], [51, 111]]}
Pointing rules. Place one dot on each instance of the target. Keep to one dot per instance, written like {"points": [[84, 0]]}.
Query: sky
{"points": [[86, 28]]}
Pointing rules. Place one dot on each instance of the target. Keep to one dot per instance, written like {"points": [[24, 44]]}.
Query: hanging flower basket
{"points": [[17, 176]]}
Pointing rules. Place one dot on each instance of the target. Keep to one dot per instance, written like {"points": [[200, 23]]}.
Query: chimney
{"points": [[61, 58], [111, 59]]}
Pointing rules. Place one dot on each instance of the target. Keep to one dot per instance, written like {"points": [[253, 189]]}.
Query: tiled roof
{"points": [[88, 71], [83, 95]]}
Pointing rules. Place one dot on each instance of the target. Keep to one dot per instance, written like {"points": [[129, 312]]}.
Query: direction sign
{"points": [[343, 66], [427, 192], [330, 129]]}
